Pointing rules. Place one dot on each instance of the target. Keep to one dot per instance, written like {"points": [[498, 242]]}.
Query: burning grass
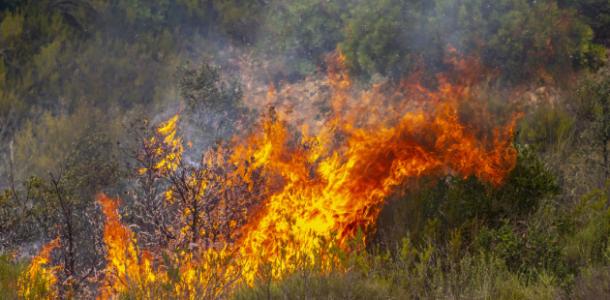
{"points": [[281, 198]]}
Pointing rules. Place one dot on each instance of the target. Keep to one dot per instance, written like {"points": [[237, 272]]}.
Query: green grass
{"points": [[9, 274]]}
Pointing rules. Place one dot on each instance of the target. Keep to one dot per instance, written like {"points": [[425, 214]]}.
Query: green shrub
{"points": [[549, 128], [9, 274], [436, 209], [588, 244]]}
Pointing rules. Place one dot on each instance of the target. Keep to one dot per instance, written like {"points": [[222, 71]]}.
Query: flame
{"points": [[193, 275], [127, 266], [38, 281], [320, 186], [166, 148], [329, 192]]}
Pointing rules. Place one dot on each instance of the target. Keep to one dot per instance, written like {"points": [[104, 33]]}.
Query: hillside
{"points": [[348, 149]]}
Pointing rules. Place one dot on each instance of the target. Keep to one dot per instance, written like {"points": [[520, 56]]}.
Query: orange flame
{"points": [[331, 192], [130, 271], [127, 266], [38, 281], [320, 188]]}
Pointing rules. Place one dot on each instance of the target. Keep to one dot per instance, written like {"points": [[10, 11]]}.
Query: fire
{"points": [[166, 147], [330, 191], [126, 266], [38, 281], [320, 186], [328, 194], [132, 272]]}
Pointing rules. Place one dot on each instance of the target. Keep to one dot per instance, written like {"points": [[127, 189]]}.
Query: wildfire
{"points": [[166, 147], [330, 194], [320, 187], [38, 281], [131, 272], [127, 266]]}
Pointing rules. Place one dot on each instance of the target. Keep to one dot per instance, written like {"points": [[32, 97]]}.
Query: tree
{"points": [[215, 110], [378, 38], [596, 13], [436, 208], [240, 19], [187, 203], [534, 39], [522, 39], [297, 35], [65, 201], [60, 174]]}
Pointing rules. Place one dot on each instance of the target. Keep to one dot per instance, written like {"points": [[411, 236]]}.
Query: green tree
{"points": [[523, 39], [301, 33], [240, 19], [596, 13], [379, 37], [535, 39]]}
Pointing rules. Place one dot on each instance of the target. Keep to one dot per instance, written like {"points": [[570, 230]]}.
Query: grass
{"points": [[9, 274]]}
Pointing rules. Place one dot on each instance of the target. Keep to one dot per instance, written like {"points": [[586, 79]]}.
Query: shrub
{"points": [[9, 273]]}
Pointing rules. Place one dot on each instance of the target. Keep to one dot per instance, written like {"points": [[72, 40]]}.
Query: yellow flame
{"points": [[319, 189], [126, 266], [39, 279], [166, 148], [192, 275]]}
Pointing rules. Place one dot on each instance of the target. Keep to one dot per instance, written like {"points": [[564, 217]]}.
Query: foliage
{"points": [[378, 38], [590, 231], [506, 262], [540, 48], [436, 210], [9, 273], [240, 19], [413, 273], [592, 284], [513, 36], [301, 34], [547, 126], [596, 13], [592, 109], [59, 203], [215, 105]]}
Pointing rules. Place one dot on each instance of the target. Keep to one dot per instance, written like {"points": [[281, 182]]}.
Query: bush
{"points": [[393, 38], [300, 34], [9, 273], [436, 209], [547, 129]]}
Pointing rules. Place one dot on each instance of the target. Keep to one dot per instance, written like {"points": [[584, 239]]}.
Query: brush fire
{"points": [[291, 194]]}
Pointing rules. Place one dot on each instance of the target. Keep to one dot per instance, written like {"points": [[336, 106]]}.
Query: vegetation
{"points": [[85, 84]]}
